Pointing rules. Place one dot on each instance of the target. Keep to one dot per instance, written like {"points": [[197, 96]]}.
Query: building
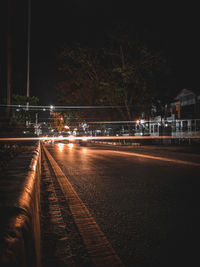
{"points": [[186, 105], [185, 113], [182, 117]]}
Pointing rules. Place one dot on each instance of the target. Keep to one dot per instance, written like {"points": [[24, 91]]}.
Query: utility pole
{"points": [[9, 60], [28, 57], [28, 50]]}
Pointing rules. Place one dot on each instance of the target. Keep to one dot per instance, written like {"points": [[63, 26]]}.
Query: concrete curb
{"points": [[20, 210]]}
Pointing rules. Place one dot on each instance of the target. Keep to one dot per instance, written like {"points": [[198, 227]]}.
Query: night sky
{"points": [[173, 29]]}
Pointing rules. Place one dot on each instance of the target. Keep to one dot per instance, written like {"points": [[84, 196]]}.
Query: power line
{"points": [[62, 107]]}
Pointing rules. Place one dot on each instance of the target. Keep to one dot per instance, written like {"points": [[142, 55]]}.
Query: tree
{"points": [[130, 78], [118, 72], [57, 122]]}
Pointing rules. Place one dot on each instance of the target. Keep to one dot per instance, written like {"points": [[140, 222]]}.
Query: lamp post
{"points": [[28, 52], [9, 60], [28, 58]]}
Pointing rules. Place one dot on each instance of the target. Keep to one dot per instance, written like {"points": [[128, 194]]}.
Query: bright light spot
{"points": [[51, 107], [34, 165], [61, 145], [71, 137], [70, 145], [142, 121], [44, 109], [66, 127], [137, 121], [84, 139], [84, 150]]}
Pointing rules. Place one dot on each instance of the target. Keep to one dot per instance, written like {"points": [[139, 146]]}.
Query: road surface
{"points": [[146, 201]]}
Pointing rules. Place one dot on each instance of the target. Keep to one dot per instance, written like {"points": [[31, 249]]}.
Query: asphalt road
{"points": [[146, 201]]}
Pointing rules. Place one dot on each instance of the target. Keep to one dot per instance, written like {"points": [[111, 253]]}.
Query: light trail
{"points": [[156, 158], [95, 138]]}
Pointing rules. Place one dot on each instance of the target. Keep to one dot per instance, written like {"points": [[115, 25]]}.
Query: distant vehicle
{"points": [[60, 138], [84, 138], [83, 141]]}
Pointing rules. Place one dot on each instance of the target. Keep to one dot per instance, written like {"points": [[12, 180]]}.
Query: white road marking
{"points": [[99, 248]]}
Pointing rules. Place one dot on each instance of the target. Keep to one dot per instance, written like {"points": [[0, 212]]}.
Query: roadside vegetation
{"points": [[10, 150]]}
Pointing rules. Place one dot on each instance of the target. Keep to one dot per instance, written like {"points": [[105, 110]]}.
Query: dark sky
{"points": [[173, 29]]}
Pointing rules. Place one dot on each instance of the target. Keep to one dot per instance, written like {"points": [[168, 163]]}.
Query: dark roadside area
{"points": [[19, 203], [61, 244], [9, 150]]}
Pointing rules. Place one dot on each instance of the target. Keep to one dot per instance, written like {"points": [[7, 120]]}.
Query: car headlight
{"points": [[71, 138]]}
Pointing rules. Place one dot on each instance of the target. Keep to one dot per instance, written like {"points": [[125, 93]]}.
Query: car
{"points": [[83, 141]]}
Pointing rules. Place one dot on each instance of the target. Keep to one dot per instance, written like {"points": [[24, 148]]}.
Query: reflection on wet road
{"points": [[147, 208]]}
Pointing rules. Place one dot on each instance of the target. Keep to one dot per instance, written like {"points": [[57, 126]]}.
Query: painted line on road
{"points": [[99, 248], [156, 158]]}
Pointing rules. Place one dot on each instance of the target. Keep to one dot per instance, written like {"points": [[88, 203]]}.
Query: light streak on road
{"points": [[71, 145], [61, 146], [84, 139], [71, 138], [156, 158], [84, 150], [94, 138]]}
